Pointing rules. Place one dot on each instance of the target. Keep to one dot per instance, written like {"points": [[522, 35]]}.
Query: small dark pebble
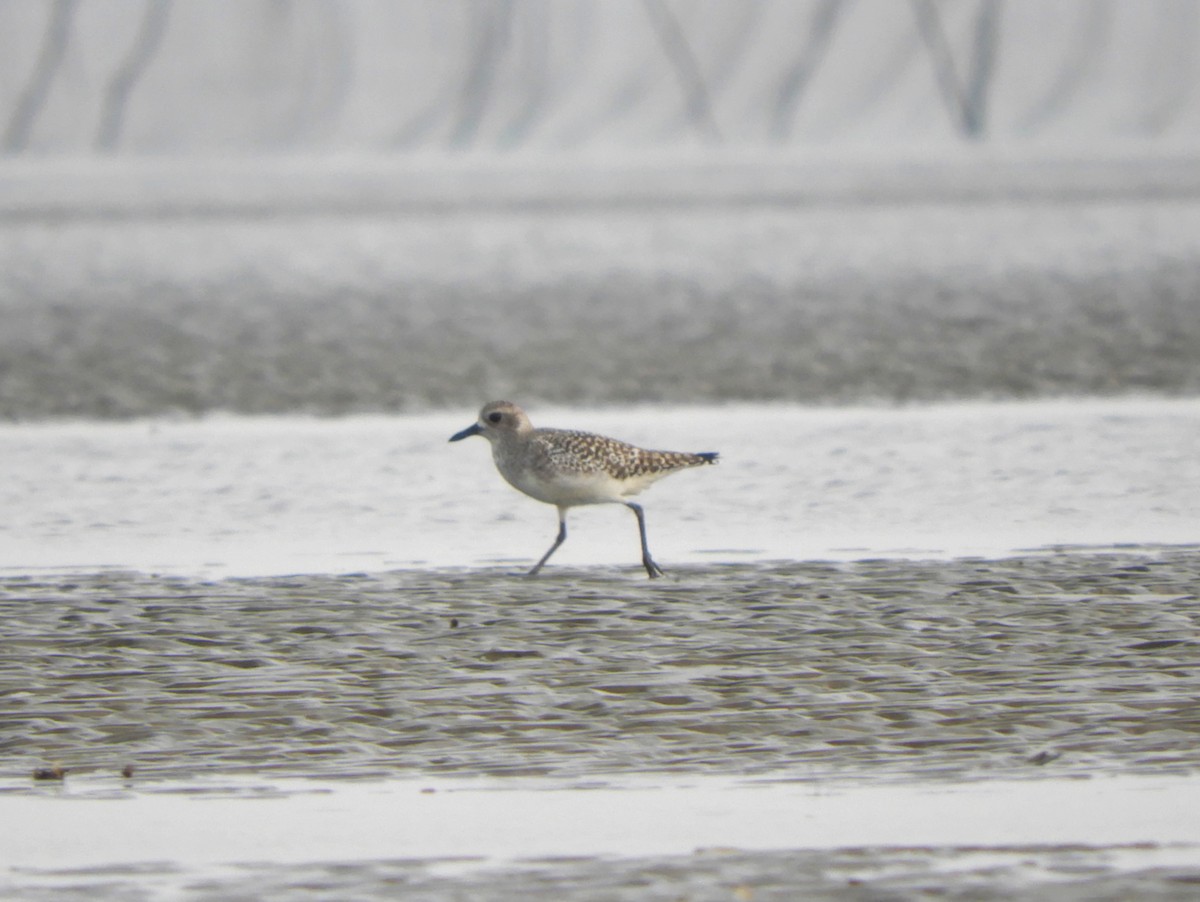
{"points": [[1043, 757], [54, 772]]}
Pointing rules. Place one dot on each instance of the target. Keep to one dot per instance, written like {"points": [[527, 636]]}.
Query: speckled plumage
{"points": [[562, 450], [568, 468]]}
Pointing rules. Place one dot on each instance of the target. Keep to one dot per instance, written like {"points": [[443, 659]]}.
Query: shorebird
{"points": [[568, 468]]}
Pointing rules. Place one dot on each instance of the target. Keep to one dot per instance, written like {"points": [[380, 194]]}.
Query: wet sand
{"points": [[1050, 666], [888, 668], [260, 308]]}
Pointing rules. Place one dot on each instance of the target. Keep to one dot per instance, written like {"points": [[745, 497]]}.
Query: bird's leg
{"points": [[562, 536], [648, 562]]}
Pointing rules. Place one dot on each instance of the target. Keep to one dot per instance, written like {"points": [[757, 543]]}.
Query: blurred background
{"points": [[388, 76], [338, 206]]}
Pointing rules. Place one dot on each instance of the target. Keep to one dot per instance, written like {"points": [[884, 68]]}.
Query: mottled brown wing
{"points": [[584, 452]]}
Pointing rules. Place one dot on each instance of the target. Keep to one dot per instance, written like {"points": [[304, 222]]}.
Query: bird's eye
{"points": [[494, 417]]}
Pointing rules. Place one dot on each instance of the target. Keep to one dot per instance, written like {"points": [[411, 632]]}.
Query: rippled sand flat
{"points": [[876, 668], [873, 672]]}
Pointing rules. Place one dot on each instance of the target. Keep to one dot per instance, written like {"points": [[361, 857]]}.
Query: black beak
{"points": [[473, 429]]}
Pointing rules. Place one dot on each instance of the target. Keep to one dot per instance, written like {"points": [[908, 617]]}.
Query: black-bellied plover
{"points": [[567, 468]]}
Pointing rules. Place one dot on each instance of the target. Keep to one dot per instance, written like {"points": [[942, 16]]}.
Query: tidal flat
{"points": [[839, 729]]}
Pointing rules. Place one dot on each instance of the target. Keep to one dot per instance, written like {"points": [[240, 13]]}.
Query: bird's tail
{"points": [[709, 457]]}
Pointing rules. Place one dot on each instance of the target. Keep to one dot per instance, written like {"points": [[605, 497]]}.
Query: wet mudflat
{"points": [[330, 311], [876, 669], [1049, 666]]}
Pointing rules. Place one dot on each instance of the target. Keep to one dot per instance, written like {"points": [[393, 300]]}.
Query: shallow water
{"points": [[658, 837], [257, 496]]}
